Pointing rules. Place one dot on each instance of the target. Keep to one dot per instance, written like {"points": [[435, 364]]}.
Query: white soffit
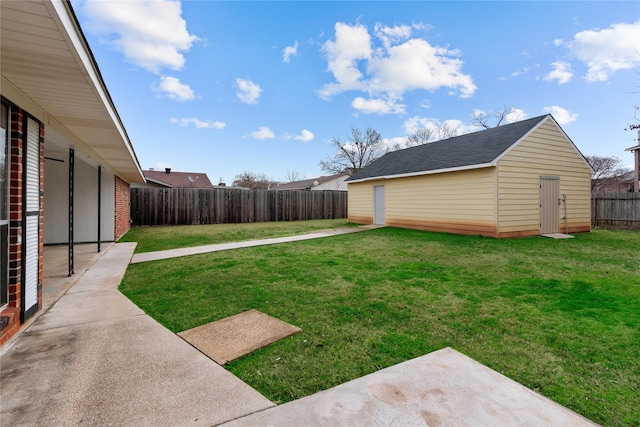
{"points": [[48, 69]]}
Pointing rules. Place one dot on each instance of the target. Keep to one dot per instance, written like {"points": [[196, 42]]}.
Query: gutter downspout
{"points": [[566, 223]]}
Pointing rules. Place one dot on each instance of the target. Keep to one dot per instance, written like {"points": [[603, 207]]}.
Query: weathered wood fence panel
{"points": [[181, 206], [615, 210]]}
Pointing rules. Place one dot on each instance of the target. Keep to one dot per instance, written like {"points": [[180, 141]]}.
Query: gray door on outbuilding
{"points": [[378, 205], [549, 204]]}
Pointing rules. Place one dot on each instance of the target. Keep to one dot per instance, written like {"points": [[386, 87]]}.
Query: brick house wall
{"points": [[16, 220], [122, 207]]}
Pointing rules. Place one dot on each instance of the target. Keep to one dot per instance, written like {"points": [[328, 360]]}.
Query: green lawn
{"points": [[559, 316], [181, 236]]}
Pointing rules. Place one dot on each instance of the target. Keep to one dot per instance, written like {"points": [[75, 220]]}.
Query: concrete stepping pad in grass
{"points": [[558, 236], [235, 336]]}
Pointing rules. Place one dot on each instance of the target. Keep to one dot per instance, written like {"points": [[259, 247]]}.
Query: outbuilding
{"points": [[522, 179]]}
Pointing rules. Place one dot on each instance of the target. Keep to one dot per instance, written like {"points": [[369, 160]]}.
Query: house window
{"points": [[4, 204]]}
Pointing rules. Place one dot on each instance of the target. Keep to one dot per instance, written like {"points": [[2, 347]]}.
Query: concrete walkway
{"points": [[95, 358], [174, 253]]}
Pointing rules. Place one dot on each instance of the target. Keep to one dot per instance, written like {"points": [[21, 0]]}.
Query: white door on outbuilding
{"points": [[378, 205], [549, 204]]}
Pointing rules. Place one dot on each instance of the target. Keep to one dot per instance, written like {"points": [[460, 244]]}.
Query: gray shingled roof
{"points": [[461, 151], [306, 184]]}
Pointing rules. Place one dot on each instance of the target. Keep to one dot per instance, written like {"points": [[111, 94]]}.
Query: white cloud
{"points": [[151, 34], [515, 115], [248, 92], [607, 51], [394, 143], [389, 69], [289, 51], [175, 89], [416, 64], [351, 45], [305, 136], [521, 72], [390, 35], [377, 106], [200, 124], [562, 72], [421, 26], [263, 132], [561, 115]]}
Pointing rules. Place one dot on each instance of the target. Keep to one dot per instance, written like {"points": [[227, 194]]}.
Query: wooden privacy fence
{"points": [[182, 206], [615, 210]]}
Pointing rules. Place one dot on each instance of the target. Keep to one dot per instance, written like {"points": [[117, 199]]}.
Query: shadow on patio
{"points": [[56, 279]]}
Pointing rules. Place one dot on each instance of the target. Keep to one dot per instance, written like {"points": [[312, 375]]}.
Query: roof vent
{"points": [[167, 170]]}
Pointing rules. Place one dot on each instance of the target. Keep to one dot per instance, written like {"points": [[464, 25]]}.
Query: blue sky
{"points": [[225, 87]]}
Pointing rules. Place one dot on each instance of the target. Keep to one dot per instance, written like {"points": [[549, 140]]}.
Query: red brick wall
{"points": [[123, 207], [15, 209]]}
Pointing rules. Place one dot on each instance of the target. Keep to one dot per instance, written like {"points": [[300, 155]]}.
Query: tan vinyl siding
{"points": [[546, 152], [457, 202], [360, 205], [465, 195]]}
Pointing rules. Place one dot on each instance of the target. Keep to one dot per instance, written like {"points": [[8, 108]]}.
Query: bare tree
{"points": [[292, 175], [253, 181], [353, 155], [428, 135], [492, 119], [607, 171], [635, 117]]}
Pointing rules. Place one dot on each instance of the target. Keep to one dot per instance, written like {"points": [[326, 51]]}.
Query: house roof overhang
{"points": [[155, 181], [47, 68]]}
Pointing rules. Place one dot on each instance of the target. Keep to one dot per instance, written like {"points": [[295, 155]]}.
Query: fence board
{"points": [[615, 210], [186, 206]]}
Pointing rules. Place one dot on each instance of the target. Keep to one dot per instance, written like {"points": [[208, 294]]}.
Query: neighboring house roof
{"points": [[627, 177], [178, 179], [469, 151], [307, 184], [49, 70], [614, 183]]}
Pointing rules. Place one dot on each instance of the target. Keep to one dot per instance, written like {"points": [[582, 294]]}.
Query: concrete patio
{"points": [[96, 358]]}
